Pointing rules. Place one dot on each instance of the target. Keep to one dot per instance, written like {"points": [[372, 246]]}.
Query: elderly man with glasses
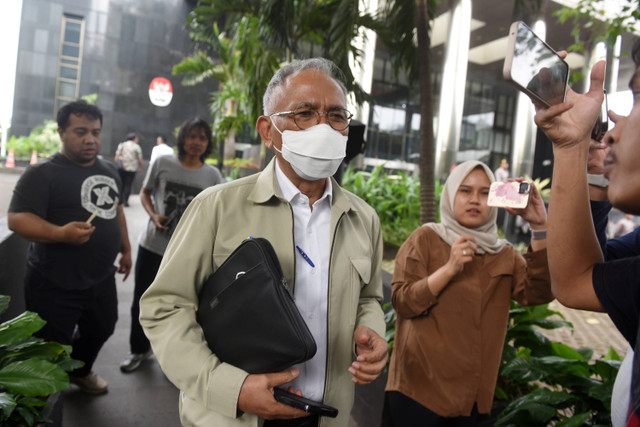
{"points": [[329, 244]]}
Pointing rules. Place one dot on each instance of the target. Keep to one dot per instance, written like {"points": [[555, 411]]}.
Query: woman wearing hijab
{"points": [[452, 288]]}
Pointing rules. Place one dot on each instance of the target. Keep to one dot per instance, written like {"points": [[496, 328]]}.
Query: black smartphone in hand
{"points": [[534, 67], [307, 405]]}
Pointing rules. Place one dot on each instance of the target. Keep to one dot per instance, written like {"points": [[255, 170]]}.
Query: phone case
{"points": [[507, 194], [307, 405], [510, 70]]}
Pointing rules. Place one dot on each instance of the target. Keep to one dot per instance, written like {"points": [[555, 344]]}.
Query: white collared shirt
{"points": [[312, 235]]}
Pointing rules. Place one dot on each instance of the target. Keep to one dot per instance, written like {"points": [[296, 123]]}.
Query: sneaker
{"points": [[91, 384], [133, 361]]}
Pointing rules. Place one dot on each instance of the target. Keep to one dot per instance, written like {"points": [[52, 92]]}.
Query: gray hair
{"points": [[320, 64]]}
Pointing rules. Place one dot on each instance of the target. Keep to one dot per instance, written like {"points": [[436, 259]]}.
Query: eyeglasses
{"points": [[304, 117]]}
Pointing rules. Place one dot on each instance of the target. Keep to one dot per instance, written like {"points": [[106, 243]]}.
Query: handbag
{"points": [[248, 314]]}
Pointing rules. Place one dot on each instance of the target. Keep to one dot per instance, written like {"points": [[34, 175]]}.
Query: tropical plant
{"points": [[541, 186], [267, 32], [396, 199], [409, 20], [549, 382], [231, 105], [596, 21], [43, 139], [30, 369]]}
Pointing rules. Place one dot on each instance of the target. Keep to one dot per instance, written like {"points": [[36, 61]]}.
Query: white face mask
{"points": [[314, 153]]}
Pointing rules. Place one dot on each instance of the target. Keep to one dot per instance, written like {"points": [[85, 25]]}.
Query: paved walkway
{"points": [[591, 329]]}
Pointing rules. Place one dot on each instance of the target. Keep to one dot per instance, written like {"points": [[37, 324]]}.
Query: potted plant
{"points": [[31, 369]]}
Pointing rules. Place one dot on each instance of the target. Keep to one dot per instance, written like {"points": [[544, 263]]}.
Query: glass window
{"points": [[72, 32], [415, 122], [69, 50], [386, 118], [67, 90], [69, 73], [69, 60], [396, 146]]}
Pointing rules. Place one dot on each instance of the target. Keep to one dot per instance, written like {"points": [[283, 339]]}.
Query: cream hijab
{"points": [[450, 230]]}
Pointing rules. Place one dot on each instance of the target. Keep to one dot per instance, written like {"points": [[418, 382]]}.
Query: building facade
{"points": [[113, 49], [477, 114]]}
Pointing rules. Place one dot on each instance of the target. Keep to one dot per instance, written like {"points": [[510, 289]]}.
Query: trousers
{"points": [[127, 181], [147, 265], [406, 412], [84, 318], [310, 421]]}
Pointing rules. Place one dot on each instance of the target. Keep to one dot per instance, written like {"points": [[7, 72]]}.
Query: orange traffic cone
{"points": [[11, 160], [34, 157]]}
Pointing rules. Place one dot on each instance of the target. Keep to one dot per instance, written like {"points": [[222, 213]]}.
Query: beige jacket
{"points": [[214, 224]]}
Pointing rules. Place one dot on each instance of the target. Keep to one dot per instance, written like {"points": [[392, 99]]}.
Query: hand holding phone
{"points": [[307, 405], [602, 122], [534, 67], [512, 194]]}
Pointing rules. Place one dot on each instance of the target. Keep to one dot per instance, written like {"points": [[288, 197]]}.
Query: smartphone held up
{"points": [[512, 194], [534, 67]]}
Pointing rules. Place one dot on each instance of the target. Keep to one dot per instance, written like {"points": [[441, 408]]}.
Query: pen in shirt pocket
{"points": [[305, 256]]}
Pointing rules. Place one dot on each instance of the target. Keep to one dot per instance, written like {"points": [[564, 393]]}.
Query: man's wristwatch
{"points": [[597, 180]]}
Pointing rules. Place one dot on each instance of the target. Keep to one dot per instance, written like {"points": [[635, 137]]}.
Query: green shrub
{"points": [[30, 369], [549, 382], [396, 199], [43, 139]]}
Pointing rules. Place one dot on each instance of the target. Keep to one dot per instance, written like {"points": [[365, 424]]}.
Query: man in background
{"points": [[502, 173], [129, 161], [69, 208], [161, 149]]}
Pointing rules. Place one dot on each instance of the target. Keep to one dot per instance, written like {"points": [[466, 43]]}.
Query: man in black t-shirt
{"points": [[70, 208], [580, 276]]}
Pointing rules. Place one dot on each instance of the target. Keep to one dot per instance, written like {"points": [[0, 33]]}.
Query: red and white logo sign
{"points": [[160, 92]]}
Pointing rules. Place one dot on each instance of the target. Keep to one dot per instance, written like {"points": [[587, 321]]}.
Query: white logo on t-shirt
{"points": [[100, 193]]}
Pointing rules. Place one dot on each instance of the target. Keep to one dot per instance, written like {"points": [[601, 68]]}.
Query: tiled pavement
{"points": [[591, 329]]}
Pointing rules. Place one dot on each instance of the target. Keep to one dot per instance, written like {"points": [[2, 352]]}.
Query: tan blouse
{"points": [[448, 348]]}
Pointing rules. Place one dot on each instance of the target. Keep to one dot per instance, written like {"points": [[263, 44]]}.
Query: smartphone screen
{"points": [[534, 67]]}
